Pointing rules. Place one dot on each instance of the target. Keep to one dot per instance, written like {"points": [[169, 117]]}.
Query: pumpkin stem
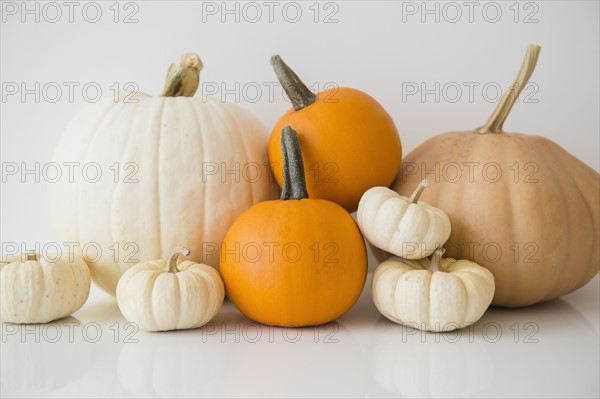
{"points": [[294, 180], [31, 256], [183, 76], [417, 193], [496, 120], [434, 264], [177, 252], [299, 94]]}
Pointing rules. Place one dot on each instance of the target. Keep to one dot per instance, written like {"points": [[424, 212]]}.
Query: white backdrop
{"points": [[458, 52]]}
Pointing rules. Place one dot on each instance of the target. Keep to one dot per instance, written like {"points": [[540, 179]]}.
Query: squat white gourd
{"points": [[433, 295], [402, 226], [174, 170], [159, 296], [40, 291]]}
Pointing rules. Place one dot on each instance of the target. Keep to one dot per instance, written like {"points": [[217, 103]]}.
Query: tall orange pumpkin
{"points": [[349, 141], [294, 261], [522, 207]]}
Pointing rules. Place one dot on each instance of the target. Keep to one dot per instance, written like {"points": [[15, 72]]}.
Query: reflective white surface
{"points": [[548, 350]]}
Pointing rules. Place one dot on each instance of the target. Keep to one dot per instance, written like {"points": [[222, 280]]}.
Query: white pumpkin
{"points": [[161, 296], [433, 295], [40, 291], [402, 226], [174, 170]]}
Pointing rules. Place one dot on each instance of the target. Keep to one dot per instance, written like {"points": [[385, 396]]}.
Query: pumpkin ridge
{"points": [[465, 308], [161, 242], [382, 238], [427, 308], [596, 221], [241, 137], [394, 291], [198, 275], [211, 299], [46, 274], [198, 120], [117, 187], [514, 279], [589, 211], [151, 279], [63, 283], [33, 302], [567, 237], [222, 116], [430, 232], [85, 157], [177, 308]]}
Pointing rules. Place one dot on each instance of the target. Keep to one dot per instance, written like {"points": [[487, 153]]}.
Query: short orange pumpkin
{"points": [[349, 141], [296, 261]]}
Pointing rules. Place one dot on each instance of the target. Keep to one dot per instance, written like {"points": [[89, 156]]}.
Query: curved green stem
{"points": [[299, 94], [414, 198], [294, 180], [496, 120], [183, 76], [434, 264], [177, 252]]}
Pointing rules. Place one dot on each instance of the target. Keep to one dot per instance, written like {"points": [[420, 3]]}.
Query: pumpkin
{"points": [[349, 141], [173, 170], [159, 296], [403, 226], [432, 295], [538, 230], [41, 290], [295, 261]]}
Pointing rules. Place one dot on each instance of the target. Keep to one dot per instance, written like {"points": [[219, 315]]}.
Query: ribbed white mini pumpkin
{"points": [[40, 291], [175, 170], [159, 296], [402, 226], [433, 295]]}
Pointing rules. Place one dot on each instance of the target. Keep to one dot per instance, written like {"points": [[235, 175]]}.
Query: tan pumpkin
{"points": [[537, 231]]}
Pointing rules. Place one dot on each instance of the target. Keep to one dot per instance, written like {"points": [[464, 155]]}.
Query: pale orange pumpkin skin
{"points": [[554, 221], [324, 282]]}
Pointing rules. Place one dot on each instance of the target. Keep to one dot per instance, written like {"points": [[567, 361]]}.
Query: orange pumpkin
{"points": [[294, 261], [349, 141], [538, 230]]}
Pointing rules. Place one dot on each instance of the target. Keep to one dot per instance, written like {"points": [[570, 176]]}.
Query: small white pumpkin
{"points": [[402, 226], [40, 291], [159, 297], [433, 295]]}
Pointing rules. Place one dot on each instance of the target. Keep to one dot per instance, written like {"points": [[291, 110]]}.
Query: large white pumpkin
{"points": [[175, 170]]}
